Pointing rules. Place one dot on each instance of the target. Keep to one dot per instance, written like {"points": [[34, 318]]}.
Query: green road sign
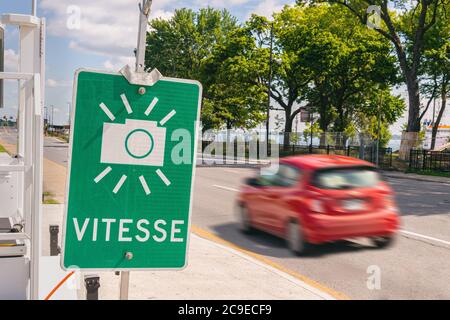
{"points": [[131, 169]]}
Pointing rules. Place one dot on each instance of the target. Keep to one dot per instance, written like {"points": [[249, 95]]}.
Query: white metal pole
{"points": [[144, 12], [124, 284], [33, 7]]}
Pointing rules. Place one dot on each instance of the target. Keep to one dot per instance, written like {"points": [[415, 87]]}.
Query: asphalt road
{"points": [[54, 149], [416, 267]]}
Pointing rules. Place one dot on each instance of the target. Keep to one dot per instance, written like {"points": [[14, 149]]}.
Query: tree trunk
{"points": [[410, 137], [287, 129], [439, 117], [323, 139]]}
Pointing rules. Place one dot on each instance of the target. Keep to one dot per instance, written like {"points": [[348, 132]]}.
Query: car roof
{"points": [[321, 161]]}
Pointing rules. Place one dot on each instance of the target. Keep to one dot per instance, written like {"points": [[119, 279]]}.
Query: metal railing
{"points": [[429, 160], [367, 153]]}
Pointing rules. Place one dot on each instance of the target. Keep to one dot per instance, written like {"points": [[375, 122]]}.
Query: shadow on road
{"points": [[269, 245]]}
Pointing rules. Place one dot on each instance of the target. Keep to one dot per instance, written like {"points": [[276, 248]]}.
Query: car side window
{"points": [[287, 176]]}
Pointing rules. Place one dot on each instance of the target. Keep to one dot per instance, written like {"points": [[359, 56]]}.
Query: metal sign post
{"points": [[144, 12]]}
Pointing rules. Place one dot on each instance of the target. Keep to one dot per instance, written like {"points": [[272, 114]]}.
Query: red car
{"points": [[318, 198]]}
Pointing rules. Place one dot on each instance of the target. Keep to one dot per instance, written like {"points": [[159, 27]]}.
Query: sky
{"points": [[103, 37]]}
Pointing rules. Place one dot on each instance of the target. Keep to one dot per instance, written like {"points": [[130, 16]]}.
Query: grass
{"points": [[47, 198], [2, 148], [430, 173], [50, 201], [59, 136]]}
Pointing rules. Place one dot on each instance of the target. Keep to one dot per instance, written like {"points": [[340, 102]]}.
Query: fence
{"points": [[429, 160], [367, 153]]}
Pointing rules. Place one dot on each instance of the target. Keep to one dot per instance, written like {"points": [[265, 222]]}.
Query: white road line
{"points": [[102, 174], [167, 117], [151, 106], [163, 177], [107, 112], [418, 235], [119, 184], [126, 103], [405, 232], [144, 185], [225, 188]]}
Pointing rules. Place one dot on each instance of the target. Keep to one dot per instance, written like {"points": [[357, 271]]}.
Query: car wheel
{"points": [[383, 242], [244, 219], [295, 239]]}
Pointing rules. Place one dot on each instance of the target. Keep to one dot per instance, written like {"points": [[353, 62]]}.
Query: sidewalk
{"points": [[414, 176], [214, 271]]}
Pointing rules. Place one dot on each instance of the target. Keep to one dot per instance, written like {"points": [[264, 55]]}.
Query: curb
{"points": [[305, 282], [414, 178]]}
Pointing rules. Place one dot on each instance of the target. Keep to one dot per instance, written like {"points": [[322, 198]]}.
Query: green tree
{"points": [[237, 102], [435, 68], [178, 46], [350, 64], [196, 45], [406, 32]]}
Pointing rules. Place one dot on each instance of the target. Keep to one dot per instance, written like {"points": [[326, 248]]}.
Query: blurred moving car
{"points": [[314, 199]]}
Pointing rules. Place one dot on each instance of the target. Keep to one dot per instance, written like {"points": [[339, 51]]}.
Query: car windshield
{"points": [[346, 178]]}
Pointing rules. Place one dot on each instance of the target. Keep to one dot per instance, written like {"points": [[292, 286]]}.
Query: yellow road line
{"points": [[210, 236]]}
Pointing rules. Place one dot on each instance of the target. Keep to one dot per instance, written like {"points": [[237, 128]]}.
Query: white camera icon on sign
{"points": [[137, 142]]}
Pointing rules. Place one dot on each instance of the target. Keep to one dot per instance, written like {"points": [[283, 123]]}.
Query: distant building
{"points": [[62, 129], [442, 135]]}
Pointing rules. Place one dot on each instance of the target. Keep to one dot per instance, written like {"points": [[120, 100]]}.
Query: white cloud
{"points": [[52, 83], [11, 60], [266, 8], [106, 27], [115, 64], [221, 3]]}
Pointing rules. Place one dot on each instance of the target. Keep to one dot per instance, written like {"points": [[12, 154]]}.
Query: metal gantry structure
{"points": [[21, 209]]}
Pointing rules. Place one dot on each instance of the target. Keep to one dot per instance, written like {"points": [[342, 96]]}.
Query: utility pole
{"points": [[311, 123], [432, 122], [379, 129], [269, 84]]}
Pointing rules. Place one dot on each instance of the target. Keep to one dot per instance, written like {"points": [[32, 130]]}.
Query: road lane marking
{"points": [[225, 188], [421, 236], [315, 285], [404, 232]]}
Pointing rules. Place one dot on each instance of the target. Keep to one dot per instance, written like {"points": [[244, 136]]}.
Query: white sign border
{"points": [[69, 162]]}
